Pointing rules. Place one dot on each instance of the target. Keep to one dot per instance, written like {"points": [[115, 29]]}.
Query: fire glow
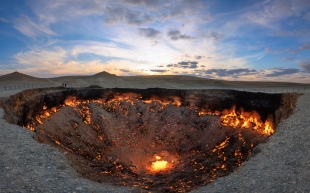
{"points": [[159, 164], [229, 117], [205, 162], [242, 119]]}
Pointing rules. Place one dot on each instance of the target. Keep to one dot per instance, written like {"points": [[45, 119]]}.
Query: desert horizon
{"points": [[15, 82], [105, 74]]}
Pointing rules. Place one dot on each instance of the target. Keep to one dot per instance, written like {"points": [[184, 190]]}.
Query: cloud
{"points": [[147, 3], [304, 32], [304, 47], [198, 57], [251, 47], [305, 65], [158, 70], [230, 72], [177, 35], [29, 28], [300, 48], [288, 58], [124, 70], [128, 48], [184, 64], [41, 57], [4, 20], [270, 14], [307, 16], [149, 33], [271, 11], [58, 61], [214, 36], [188, 64], [276, 72], [193, 4], [120, 14], [267, 49]]}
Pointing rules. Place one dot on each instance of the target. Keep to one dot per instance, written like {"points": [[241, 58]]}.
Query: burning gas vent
{"points": [[154, 139]]}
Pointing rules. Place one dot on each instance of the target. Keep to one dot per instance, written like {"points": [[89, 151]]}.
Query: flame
{"points": [[268, 129], [159, 164], [242, 119]]}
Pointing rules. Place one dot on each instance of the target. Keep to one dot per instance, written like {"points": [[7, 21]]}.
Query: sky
{"points": [[266, 40]]}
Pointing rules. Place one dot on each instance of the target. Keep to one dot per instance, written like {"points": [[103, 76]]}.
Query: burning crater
{"points": [[152, 139]]}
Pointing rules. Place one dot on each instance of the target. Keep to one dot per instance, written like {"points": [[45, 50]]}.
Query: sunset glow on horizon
{"points": [[265, 40]]}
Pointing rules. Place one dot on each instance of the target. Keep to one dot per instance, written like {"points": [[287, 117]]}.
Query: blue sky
{"points": [[223, 39]]}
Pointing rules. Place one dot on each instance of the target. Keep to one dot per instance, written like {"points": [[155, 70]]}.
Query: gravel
{"points": [[280, 165]]}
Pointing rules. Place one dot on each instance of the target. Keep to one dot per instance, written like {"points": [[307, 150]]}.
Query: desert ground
{"points": [[280, 165]]}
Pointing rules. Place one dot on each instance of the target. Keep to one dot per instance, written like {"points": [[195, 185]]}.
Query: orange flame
{"points": [[246, 120], [241, 119], [159, 164], [230, 117]]}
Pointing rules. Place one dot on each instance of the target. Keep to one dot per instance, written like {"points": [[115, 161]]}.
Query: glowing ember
{"points": [[159, 164]]}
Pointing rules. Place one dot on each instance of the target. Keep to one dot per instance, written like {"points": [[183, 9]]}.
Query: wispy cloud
{"points": [[304, 32], [276, 72], [158, 70], [29, 28], [307, 16], [288, 58], [300, 48], [57, 61], [146, 3], [273, 11], [229, 72], [305, 65], [42, 57], [4, 20], [214, 36]]}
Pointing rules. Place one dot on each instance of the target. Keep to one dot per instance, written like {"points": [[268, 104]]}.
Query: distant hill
{"points": [[17, 76], [104, 74], [108, 80]]}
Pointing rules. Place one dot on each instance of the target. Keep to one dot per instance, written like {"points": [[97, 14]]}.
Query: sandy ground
{"points": [[280, 165]]}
